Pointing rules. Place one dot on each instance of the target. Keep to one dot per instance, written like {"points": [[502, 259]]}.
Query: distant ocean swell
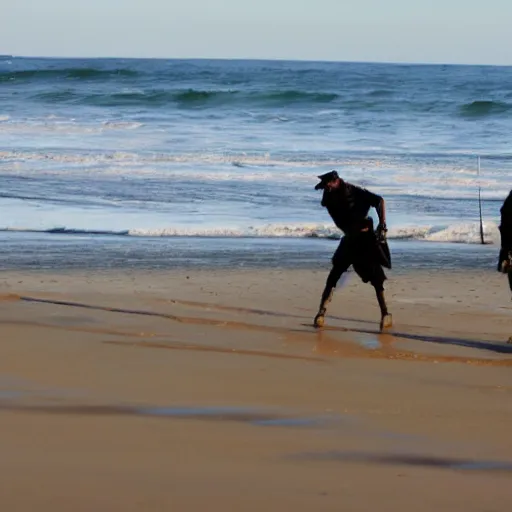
{"points": [[186, 98], [78, 73], [357, 88], [468, 233], [192, 98]]}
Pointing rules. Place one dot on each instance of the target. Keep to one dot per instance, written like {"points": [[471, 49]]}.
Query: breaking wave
{"points": [[484, 108], [467, 233]]}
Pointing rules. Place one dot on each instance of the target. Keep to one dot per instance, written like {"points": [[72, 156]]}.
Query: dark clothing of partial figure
{"points": [[349, 206], [506, 223], [506, 236]]}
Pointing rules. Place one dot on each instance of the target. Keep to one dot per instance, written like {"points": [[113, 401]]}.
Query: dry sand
{"points": [[154, 391]]}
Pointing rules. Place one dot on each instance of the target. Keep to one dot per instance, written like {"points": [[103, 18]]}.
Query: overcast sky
{"points": [[441, 31]]}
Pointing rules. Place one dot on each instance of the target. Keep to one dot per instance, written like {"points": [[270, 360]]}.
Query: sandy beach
{"points": [[138, 391]]}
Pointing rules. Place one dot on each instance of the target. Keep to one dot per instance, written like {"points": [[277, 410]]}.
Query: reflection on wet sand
{"points": [[255, 417], [408, 460], [241, 415], [328, 345]]}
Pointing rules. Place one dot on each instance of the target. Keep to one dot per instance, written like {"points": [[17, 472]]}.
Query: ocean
{"points": [[130, 163]]}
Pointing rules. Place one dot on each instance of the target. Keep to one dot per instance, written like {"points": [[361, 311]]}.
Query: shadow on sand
{"points": [[492, 346]]}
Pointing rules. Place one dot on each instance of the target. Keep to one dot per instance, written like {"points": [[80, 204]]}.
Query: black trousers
{"points": [[360, 250]]}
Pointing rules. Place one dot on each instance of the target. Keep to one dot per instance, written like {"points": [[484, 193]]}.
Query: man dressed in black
{"points": [[361, 247]]}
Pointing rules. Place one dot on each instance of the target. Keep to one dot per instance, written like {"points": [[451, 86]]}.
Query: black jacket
{"points": [[349, 205]]}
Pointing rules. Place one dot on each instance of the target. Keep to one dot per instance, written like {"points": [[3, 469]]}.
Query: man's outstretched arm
{"points": [[378, 203], [381, 212]]}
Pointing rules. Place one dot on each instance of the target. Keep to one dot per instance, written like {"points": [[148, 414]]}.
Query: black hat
{"points": [[326, 178]]}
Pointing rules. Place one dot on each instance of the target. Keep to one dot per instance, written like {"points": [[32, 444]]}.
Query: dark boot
{"points": [[332, 281], [326, 298], [386, 320]]}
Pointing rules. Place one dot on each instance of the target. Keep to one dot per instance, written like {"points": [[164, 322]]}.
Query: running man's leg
{"points": [[386, 320], [332, 280], [368, 266], [340, 264]]}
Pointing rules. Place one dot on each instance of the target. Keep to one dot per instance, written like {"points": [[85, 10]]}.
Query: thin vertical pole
{"points": [[480, 205]]}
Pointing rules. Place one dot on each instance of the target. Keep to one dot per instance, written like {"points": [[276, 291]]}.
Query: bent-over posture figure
{"points": [[361, 247]]}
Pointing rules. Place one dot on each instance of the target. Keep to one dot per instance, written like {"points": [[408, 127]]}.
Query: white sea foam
{"points": [[361, 165], [468, 233], [456, 233], [435, 180], [55, 124], [122, 125]]}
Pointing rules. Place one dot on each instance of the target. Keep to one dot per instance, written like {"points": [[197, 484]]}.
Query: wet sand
{"points": [[142, 391]]}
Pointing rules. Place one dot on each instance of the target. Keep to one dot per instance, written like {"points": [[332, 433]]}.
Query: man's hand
{"points": [[381, 228], [381, 231]]}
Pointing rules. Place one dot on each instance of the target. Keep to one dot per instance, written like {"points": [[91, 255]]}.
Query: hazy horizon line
{"points": [[254, 59]]}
